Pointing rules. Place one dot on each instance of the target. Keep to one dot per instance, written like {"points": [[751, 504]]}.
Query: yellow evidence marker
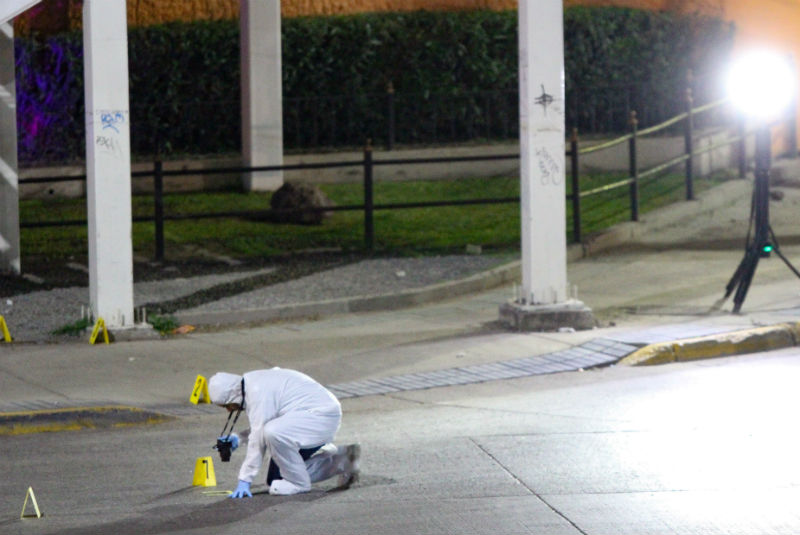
{"points": [[38, 513], [204, 473], [217, 492], [200, 391], [4, 330], [101, 324]]}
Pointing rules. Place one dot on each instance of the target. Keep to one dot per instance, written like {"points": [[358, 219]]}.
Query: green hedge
{"points": [[454, 76], [638, 57]]}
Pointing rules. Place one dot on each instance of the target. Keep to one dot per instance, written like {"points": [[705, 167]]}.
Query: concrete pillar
{"points": [[9, 182], [542, 147], [262, 92], [108, 161], [543, 302], [11, 8]]}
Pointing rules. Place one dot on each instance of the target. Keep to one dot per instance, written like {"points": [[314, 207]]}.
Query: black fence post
{"points": [[369, 227], [633, 168], [390, 116], [158, 208], [576, 188], [689, 145]]}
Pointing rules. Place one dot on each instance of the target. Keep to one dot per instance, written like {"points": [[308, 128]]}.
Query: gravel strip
{"points": [[368, 277], [33, 316]]}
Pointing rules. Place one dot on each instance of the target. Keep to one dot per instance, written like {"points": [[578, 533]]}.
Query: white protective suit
{"points": [[288, 411]]}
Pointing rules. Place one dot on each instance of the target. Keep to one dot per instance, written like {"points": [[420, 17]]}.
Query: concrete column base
{"points": [[571, 313], [137, 331]]}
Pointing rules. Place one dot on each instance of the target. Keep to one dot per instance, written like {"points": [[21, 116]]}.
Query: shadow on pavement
{"points": [[174, 518]]}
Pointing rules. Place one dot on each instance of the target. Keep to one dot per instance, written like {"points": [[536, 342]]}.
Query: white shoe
{"points": [[281, 487], [350, 477]]}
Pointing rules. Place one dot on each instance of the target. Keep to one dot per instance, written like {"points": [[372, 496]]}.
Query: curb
{"points": [[719, 345], [369, 303]]}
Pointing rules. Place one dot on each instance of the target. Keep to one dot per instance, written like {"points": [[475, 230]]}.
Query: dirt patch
{"points": [[74, 419]]}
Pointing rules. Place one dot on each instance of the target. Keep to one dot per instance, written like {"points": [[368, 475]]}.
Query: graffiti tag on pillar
{"points": [[108, 145], [107, 139], [112, 120], [550, 171], [544, 100]]}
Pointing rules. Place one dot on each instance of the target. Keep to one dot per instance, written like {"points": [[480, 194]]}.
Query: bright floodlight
{"points": [[761, 83]]}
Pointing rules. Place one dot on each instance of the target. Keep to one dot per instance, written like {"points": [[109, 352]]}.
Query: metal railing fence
{"points": [[575, 195]]}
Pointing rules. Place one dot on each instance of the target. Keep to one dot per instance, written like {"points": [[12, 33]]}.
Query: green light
{"points": [[767, 248]]}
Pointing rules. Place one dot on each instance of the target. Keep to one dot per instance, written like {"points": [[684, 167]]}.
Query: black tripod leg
{"points": [[737, 275], [777, 250], [786, 261], [744, 284]]}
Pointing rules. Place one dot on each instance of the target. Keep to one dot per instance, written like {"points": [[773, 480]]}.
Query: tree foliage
{"points": [[454, 76]]}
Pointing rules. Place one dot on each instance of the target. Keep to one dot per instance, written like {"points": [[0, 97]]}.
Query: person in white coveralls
{"points": [[294, 419]]}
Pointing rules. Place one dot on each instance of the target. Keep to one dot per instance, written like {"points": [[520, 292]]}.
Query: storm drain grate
{"points": [[597, 352]]}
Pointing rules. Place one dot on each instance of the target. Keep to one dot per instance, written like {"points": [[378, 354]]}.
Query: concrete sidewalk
{"points": [[651, 284]]}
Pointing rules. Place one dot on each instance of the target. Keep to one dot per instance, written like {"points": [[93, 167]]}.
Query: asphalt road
{"points": [[697, 447], [702, 447]]}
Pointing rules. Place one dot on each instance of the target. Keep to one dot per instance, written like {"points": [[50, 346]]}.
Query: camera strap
{"points": [[230, 414]]}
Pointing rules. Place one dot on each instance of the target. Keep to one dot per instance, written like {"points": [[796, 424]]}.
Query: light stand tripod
{"points": [[763, 241]]}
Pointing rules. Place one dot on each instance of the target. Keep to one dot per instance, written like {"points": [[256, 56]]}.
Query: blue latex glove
{"points": [[242, 490]]}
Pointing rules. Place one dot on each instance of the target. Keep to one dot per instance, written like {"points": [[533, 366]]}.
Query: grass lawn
{"points": [[413, 231]]}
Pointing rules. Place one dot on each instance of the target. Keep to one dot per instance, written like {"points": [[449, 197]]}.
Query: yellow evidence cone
{"points": [[204, 473], [200, 391], [4, 334], [37, 513]]}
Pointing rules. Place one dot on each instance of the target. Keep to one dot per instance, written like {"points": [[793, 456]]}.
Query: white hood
{"points": [[224, 388]]}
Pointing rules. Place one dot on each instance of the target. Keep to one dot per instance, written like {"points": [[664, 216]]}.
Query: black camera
{"points": [[224, 446]]}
